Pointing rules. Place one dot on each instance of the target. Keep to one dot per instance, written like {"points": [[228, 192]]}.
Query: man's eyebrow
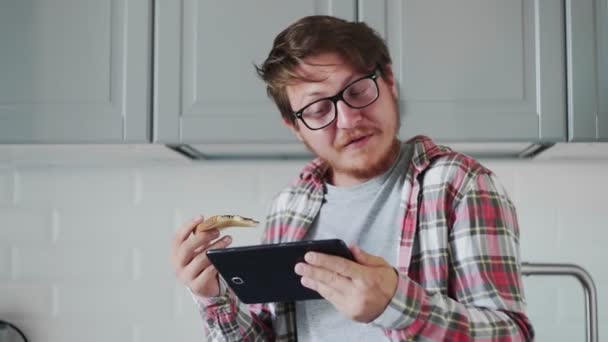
{"points": [[311, 97], [314, 93], [322, 95]]}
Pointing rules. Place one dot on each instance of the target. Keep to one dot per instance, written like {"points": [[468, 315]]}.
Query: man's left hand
{"points": [[361, 290]]}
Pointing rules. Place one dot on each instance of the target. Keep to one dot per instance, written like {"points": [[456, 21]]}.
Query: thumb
{"points": [[366, 259]]}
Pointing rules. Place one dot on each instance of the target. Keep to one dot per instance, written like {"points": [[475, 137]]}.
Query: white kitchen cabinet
{"points": [[587, 65], [74, 71], [468, 71], [206, 87], [602, 58], [477, 70]]}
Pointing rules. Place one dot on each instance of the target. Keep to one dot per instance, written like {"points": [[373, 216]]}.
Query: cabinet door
{"points": [[74, 71], [476, 70], [206, 87], [587, 63], [602, 53]]}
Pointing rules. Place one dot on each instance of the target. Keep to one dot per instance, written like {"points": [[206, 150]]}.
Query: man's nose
{"points": [[348, 117]]}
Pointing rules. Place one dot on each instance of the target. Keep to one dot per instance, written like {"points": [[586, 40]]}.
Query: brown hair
{"points": [[355, 42]]}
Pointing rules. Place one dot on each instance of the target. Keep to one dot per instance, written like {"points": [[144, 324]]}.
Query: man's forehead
{"points": [[313, 72], [320, 66]]}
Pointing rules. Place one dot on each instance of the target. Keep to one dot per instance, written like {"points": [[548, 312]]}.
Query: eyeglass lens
{"points": [[356, 95]]}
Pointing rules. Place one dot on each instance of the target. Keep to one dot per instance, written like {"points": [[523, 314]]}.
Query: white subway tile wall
{"points": [[6, 186], [84, 251]]}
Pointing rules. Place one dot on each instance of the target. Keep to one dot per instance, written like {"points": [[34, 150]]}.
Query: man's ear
{"points": [[389, 78], [293, 126]]}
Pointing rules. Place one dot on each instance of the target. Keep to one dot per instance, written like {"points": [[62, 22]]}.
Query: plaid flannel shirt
{"points": [[458, 263]]}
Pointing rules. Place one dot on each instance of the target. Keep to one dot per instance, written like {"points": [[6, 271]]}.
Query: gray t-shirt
{"points": [[366, 215]]}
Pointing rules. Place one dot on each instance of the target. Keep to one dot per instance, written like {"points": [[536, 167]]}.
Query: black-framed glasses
{"points": [[358, 94]]}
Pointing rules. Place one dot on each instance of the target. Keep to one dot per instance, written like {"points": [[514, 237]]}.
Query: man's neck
{"points": [[345, 180]]}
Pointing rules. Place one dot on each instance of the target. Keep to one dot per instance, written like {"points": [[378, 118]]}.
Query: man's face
{"points": [[360, 143]]}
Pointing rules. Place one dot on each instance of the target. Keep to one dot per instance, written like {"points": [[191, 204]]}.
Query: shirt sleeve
{"points": [[488, 303], [228, 319]]}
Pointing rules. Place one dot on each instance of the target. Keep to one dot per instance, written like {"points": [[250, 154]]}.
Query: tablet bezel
{"points": [[265, 273]]}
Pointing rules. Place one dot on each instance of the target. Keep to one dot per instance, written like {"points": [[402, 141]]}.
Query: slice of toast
{"points": [[225, 221]]}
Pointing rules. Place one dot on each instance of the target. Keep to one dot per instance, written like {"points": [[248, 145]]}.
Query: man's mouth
{"points": [[358, 141], [355, 137]]}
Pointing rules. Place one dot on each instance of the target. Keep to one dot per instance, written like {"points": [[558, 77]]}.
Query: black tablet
{"points": [[265, 273]]}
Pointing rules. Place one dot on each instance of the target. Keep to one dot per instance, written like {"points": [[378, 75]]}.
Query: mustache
{"points": [[346, 137]]}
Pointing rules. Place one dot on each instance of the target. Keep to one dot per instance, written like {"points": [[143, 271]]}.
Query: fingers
{"points": [[204, 278], [327, 277], [359, 289], [200, 262], [333, 263], [186, 245], [181, 235], [189, 259], [184, 231], [366, 259], [200, 239], [331, 294], [188, 249]]}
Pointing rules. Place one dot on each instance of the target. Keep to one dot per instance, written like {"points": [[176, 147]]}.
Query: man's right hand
{"points": [[189, 258]]}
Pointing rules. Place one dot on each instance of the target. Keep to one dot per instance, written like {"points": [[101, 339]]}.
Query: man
{"points": [[434, 236]]}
